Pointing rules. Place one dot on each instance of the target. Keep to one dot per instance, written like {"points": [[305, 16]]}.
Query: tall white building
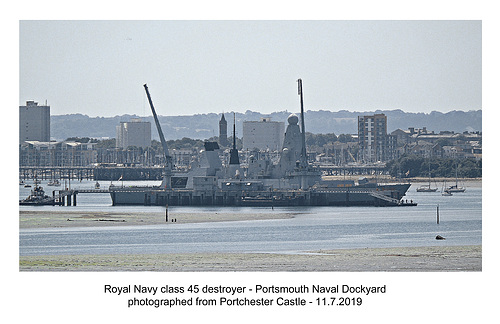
{"points": [[262, 135], [34, 122], [133, 133], [374, 142]]}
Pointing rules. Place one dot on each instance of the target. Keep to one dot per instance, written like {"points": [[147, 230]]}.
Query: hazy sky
{"points": [[98, 68]]}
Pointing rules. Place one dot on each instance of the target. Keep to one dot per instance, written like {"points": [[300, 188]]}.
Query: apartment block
{"points": [[374, 143], [262, 135], [34, 122], [133, 133]]}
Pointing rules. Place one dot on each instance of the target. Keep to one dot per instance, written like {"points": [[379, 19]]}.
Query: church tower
{"points": [[223, 131]]}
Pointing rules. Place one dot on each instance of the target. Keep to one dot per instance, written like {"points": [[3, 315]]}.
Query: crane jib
{"points": [[158, 127]]}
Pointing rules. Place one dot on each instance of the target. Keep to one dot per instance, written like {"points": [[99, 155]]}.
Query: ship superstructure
{"points": [[291, 181]]}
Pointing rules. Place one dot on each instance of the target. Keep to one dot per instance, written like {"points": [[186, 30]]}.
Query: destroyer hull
{"points": [[389, 195]]}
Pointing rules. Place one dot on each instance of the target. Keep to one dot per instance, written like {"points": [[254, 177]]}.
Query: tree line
{"points": [[409, 166]]}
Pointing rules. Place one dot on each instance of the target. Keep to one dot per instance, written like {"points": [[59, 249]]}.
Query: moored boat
{"points": [[37, 197], [54, 183], [456, 187], [426, 188], [446, 193]]}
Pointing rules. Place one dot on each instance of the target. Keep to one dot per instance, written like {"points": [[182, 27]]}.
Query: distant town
{"points": [[400, 153]]}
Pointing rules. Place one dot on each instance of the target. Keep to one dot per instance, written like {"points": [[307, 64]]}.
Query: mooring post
{"points": [[166, 213]]}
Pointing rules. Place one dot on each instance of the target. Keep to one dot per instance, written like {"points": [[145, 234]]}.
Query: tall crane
{"points": [[168, 159]]}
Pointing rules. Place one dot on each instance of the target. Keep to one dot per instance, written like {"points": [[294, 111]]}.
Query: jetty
{"points": [[63, 197]]}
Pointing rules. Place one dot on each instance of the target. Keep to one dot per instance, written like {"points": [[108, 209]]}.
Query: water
{"points": [[312, 228]]}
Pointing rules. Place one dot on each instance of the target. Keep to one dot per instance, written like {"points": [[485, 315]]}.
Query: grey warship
{"points": [[292, 181]]}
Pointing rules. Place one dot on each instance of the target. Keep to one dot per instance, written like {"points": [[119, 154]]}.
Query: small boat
{"points": [[54, 183], [446, 193], [27, 186], [455, 188], [37, 197], [21, 182], [426, 188]]}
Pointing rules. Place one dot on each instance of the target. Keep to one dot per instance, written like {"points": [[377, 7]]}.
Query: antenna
{"points": [[303, 152], [234, 131]]}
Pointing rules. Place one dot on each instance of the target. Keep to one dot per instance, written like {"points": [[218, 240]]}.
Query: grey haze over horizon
{"points": [[204, 126], [97, 68]]}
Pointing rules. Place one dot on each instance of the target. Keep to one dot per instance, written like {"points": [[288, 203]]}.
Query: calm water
{"points": [[313, 228]]}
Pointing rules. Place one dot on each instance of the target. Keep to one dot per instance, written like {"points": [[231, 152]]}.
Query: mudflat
{"points": [[408, 259], [411, 259], [68, 218]]}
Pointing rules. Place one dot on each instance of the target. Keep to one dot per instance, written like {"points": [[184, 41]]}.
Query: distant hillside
{"points": [[203, 126]]}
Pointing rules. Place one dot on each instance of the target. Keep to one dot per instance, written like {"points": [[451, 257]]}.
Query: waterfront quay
{"points": [[357, 169], [113, 173]]}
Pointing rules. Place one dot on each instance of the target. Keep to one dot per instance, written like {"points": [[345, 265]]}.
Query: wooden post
{"points": [[166, 214], [437, 214]]}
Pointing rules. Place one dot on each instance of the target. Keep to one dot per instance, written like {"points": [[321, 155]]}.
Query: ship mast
{"points": [[233, 153], [303, 151], [168, 158]]}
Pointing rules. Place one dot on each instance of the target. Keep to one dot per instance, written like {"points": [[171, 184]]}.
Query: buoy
{"points": [[439, 237]]}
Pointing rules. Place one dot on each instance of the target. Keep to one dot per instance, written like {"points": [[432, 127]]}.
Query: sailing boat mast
{"points": [[427, 188]]}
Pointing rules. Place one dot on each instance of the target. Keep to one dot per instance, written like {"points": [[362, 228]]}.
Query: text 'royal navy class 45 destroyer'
{"points": [[291, 181]]}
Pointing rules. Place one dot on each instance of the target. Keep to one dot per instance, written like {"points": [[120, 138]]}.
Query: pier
{"points": [[91, 173], [66, 197], [49, 173]]}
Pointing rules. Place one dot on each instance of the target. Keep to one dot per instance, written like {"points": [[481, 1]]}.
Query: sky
{"points": [[98, 67]]}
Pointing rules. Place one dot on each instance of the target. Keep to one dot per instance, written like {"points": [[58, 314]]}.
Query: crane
{"points": [[168, 159]]}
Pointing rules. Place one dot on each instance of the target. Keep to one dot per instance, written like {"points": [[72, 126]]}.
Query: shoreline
{"points": [[390, 179], [405, 259], [52, 219]]}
